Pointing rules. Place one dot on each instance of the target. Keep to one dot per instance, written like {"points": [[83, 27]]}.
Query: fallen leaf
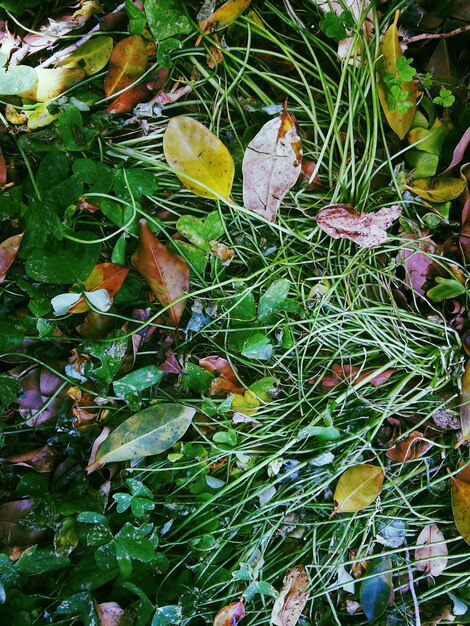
{"points": [[91, 56], [358, 487], [108, 276], [51, 83], [109, 613], [42, 397], [365, 229], [8, 251], [459, 151], [126, 102], [376, 591], [419, 264], [460, 492], [230, 615], [147, 433], [17, 80], [465, 405], [437, 188], [389, 53], [200, 160], [224, 15], [3, 169], [222, 252], [271, 166], [347, 374], [292, 598], [13, 530], [166, 273], [43, 460], [219, 367], [431, 558], [127, 63], [410, 448], [306, 174]]}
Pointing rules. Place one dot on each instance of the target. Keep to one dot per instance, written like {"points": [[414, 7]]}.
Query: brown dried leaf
{"points": [[432, 559], [8, 251], [410, 448], [347, 374], [419, 265], [127, 63], [43, 460], [365, 229], [166, 273], [292, 598]]}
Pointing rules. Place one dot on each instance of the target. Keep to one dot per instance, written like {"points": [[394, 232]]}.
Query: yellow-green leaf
{"points": [[127, 63], [358, 487], [51, 83], [200, 160], [224, 15], [149, 432], [437, 189], [460, 491], [390, 52], [91, 56]]}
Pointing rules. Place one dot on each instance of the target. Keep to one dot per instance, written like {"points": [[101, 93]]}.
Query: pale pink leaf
{"points": [[431, 552]]}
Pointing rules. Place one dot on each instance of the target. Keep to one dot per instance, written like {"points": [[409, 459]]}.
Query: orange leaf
{"points": [[126, 102], [224, 16], [412, 447], [8, 251], [166, 273], [109, 276], [230, 615], [127, 63], [220, 367]]}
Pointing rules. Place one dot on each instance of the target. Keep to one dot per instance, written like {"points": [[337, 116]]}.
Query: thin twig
{"points": [[412, 588], [63, 53], [452, 33]]}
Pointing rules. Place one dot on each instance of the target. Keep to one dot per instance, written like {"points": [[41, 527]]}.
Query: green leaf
{"points": [[64, 262], [273, 298], [201, 232], [137, 18], [139, 183], [446, 289], [429, 140], [10, 389], [11, 334], [166, 615], [150, 432], [91, 56], [123, 215], [196, 378], [110, 353], [332, 26], [258, 347], [424, 163], [375, 591], [241, 307], [404, 69], [38, 561], [132, 542], [123, 501], [166, 18], [15, 80], [445, 98], [322, 433], [75, 136], [164, 50], [128, 387]]}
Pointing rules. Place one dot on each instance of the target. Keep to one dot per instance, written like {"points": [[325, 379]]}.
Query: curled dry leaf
{"points": [[465, 405], [271, 166], [365, 229], [358, 487], [167, 273], [292, 598], [412, 447], [200, 160], [348, 374], [109, 276], [431, 551], [8, 251], [127, 63], [460, 492], [230, 615]]}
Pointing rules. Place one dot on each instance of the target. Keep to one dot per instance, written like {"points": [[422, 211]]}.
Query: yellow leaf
{"points": [[358, 487], [246, 403], [224, 15], [437, 188], [91, 56], [460, 491], [390, 52], [198, 157], [52, 83]]}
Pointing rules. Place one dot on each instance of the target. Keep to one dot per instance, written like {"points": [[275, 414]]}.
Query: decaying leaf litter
{"points": [[235, 331]]}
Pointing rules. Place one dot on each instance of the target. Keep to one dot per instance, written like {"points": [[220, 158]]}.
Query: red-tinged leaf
{"points": [[42, 397], [416, 256], [166, 273], [376, 590], [465, 405], [168, 97], [358, 487], [14, 531], [126, 102], [365, 229], [219, 367], [224, 16], [109, 613], [43, 460], [460, 492], [410, 448], [347, 373], [292, 598], [109, 276], [230, 615], [306, 174], [3, 170], [271, 166], [8, 251], [127, 63], [431, 551]]}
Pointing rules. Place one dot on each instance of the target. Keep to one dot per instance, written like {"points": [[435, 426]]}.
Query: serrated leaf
{"points": [[16, 80], [52, 82], [390, 52], [358, 487], [437, 189], [271, 166], [375, 591], [166, 273], [147, 433], [431, 558], [91, 56], [273, 298], [127, 63], [198, 157]]}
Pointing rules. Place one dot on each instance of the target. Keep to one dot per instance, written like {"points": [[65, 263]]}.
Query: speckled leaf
{"points": [[198, 157], [230, 615], [358, 487], [437, 189], [271, 166], [166, 18], [128, 387], [431, 558], [127, 63], [375, 591], [292, 598], [460, 491], [147, 433]]}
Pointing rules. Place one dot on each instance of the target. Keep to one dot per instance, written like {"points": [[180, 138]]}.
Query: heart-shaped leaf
{"points": [[199, 158], [127, 63], [358, 487], [375, 591], [166, 18], [166, 273], [201, 232], [273, 298], [147, 433]]}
